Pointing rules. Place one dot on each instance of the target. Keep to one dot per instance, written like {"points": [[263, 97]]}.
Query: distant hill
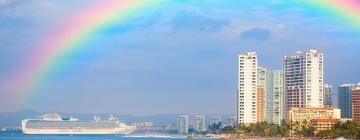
{"points": [[13, 119]]}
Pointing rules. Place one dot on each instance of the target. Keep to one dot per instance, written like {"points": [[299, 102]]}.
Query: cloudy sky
{"points": [[178, 57]]}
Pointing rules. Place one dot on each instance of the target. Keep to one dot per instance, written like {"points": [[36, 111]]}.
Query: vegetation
{"points": [[347, 129], [215, 128], [264, 129], [298, 129]]}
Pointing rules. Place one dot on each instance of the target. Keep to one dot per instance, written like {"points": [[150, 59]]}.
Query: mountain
{"points": [[13, 119]]}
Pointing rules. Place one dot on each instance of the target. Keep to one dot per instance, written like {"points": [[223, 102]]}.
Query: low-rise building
{"points": [[170, 127], [143, 126], [309, 113], [323, 124]]}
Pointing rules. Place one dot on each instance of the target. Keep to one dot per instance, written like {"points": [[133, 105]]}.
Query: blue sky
{"points": [[178, 57]]}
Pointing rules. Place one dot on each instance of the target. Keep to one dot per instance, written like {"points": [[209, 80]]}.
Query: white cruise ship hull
{"points": [[119, 131], [73, 127]]}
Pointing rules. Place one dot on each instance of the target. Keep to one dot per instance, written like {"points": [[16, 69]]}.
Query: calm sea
{"points": [[20, 136]]}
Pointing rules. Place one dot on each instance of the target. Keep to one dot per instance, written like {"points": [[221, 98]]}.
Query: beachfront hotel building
{"points": [[299, 114], [199, 123], [327, 96], [321, 118], [183, 124], [247, 88], [323, 124], [356, 104], [278, 96], [303, 80]]}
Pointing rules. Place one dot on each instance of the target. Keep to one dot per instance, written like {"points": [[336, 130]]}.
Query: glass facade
{"points": [[344, 100]]}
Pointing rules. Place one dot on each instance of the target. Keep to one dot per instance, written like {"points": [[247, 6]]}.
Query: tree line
{"points": [[346, 129]]}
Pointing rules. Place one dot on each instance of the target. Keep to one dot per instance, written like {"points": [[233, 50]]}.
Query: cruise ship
{"points": [[53, 123]]}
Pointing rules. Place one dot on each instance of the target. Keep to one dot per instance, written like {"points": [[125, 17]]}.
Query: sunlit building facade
{"points": [[323, 124], [264, 84], [303, 80], [247, 88], [356, 104], [309, 113], [260, 104]]}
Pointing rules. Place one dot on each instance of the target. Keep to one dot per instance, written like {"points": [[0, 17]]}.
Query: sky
{"points": [[177, 58]]}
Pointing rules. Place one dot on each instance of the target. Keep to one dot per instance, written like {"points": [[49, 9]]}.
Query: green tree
{"points": [[215, 128], [284, 129]]}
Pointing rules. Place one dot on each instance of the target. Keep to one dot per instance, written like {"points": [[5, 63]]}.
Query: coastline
{"points": [[245, 137]]}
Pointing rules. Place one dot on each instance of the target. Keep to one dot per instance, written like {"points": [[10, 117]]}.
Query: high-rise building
{"points": [[182, 125], [334, 99], [260, 104], [247, 88], [231, 121], [215, 119], [345, 99], [278, 92], [356, 104], [327, 95], [303, 80], [199, 122], [264, 84]]}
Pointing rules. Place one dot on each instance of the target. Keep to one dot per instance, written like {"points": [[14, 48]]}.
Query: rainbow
{"points": [[69, 35], [346, 10]]}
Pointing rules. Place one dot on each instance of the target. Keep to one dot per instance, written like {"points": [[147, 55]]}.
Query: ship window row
{"points": [[71, 124]]}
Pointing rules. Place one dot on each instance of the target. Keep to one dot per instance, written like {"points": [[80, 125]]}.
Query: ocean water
{"points": [[21, 136]]}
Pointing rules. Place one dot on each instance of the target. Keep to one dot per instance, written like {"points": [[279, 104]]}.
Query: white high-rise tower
{"points": [[183, 124], [247, 88], [303, 80], [199, 122]]}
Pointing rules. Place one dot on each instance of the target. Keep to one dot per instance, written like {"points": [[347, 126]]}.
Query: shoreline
{"points": [[244, 137]]}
